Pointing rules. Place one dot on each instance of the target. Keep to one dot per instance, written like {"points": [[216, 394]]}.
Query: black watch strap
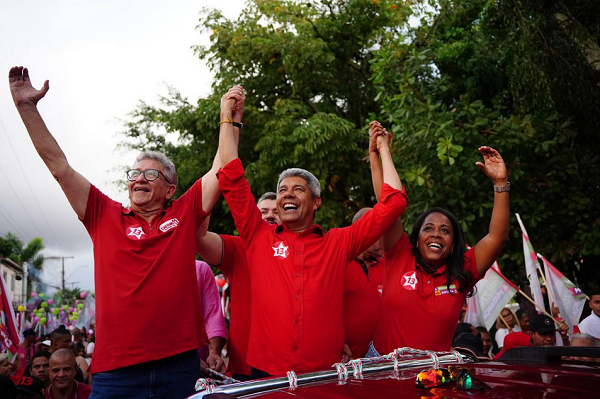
{"points": [[239, 125]]}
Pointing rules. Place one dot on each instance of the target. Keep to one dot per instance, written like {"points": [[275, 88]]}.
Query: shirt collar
{"points": [[315, 228]]}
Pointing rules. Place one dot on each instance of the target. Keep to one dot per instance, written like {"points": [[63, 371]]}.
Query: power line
{"points": [[17, 231], [30, 190]]}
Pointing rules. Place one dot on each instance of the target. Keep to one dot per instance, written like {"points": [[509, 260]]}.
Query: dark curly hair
{"points": [[454, 262]]}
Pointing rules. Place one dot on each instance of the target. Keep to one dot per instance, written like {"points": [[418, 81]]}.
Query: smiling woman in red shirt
{"points": [[429, 275]]}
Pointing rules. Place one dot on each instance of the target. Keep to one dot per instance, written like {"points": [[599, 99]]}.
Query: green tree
{"points": [[13, 248]]}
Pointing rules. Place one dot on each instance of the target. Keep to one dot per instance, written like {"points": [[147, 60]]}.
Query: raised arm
{"points": [[232, 110], [209, 245], [25, 96], [380, 138], [232, 104], [490, 246]]}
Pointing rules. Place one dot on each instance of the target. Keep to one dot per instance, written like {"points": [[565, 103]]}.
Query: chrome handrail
{"points": [[250, 387]]}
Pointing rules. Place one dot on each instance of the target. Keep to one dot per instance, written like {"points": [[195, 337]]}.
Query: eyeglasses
{"points": [[149, 174], [437, 377]]}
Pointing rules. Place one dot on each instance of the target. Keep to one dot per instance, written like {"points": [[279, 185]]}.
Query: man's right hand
{"points": [[23, 93], [232, 103]]}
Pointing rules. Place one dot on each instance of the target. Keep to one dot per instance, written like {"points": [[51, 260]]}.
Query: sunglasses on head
{"points": [[437, 377]]}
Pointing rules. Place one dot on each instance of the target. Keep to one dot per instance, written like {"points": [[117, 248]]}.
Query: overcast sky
{"points": [[101, 58]]}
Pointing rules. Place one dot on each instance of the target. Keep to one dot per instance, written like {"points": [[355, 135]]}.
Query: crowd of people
{"points": [[55, 365], [302, 298]]}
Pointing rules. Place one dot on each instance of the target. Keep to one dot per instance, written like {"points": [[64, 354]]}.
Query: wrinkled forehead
{"points": [[267, 204], [292, 181]]}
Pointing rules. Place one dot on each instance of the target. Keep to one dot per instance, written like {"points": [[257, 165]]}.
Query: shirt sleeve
{"points": [[470, 265], [233, 248], [214, 323], [239, 198], [371, 227]]}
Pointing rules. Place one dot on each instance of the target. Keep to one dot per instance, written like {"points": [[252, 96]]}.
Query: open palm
{"points": [[21, 89]]}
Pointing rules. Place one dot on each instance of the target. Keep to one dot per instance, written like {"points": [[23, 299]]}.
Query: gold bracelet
{"points": [[226, 121]]}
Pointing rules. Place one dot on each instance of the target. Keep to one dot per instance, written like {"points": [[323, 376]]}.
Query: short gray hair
{"points": [[311, 180], [161, 158], [587, 337], [269, 195]]}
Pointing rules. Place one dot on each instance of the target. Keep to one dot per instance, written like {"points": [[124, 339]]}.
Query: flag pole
{"points": [[504, 322], [537, 306], [544, 279]]}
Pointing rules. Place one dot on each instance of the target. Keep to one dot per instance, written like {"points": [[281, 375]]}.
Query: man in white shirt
{"points": [[591, 324]]}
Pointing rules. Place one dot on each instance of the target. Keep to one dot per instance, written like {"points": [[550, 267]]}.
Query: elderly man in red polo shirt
{"points": [[144, 262], [297, 269]]}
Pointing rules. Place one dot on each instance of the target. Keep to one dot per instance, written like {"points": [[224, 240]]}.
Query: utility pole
{"points": [[62, 272]]}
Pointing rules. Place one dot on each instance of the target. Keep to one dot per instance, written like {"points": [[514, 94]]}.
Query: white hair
{"points": [[161, 158]]}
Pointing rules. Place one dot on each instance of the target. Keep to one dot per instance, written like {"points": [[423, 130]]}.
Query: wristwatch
{"points": [[239, 125]]}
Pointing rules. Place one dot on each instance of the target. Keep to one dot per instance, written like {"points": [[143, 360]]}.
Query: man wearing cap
{"points": [[30, 387], [62, 377], [542, 331]]}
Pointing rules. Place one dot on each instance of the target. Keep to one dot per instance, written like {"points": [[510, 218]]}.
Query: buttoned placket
{"points": [[298, 299]]}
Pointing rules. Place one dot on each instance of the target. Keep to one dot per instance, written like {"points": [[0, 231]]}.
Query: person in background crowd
{"points": [[214, 323], [506, 318], [61, 339], [30, 387], [429, 275], [91, 339], [40, 364], [62, 377], [591, 324], [7, 386], [45, 345], [542, 331], [79, 338], [514, 340], [364, 278], [27, 348], [297, 268], [228, 253], [524, 319], [486, 338], [5, 365], [585, 340]]}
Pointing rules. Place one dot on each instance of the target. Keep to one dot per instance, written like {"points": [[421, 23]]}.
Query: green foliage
{"points": [[520, 76], [12, 247]]}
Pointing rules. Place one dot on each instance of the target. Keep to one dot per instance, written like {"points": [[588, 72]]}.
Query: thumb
{"points": [[46, 87]]}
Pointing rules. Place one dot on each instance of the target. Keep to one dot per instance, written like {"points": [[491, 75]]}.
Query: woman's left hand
{"points": [[493, 166]]}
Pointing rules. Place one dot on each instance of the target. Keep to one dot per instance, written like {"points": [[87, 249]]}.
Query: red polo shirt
{"points": [[418, 310], [361, 305], [298, 279], [235, 266], [145, 280]]}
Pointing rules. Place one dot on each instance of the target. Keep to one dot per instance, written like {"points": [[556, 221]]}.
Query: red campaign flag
{"points": [[9, 336]]}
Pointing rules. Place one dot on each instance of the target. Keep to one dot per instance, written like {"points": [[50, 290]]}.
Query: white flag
{"points": [[569, 299], [531, 266]]}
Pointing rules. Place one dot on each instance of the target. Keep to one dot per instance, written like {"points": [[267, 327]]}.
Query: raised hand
{"points": [[378, 137], [21, 89], [493, 166], [232, 103]]}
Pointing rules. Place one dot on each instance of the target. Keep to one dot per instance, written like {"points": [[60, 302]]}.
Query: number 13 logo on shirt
{"points": [[409, 281], [281, 250]]}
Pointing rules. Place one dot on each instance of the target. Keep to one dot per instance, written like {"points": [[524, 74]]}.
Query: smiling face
{"points": [[150, 195], [508, 317], [296, 205], [436, 239]]}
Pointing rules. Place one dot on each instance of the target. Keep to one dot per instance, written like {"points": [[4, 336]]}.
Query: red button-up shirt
{"points": [[361, 305], [298, 278]]}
